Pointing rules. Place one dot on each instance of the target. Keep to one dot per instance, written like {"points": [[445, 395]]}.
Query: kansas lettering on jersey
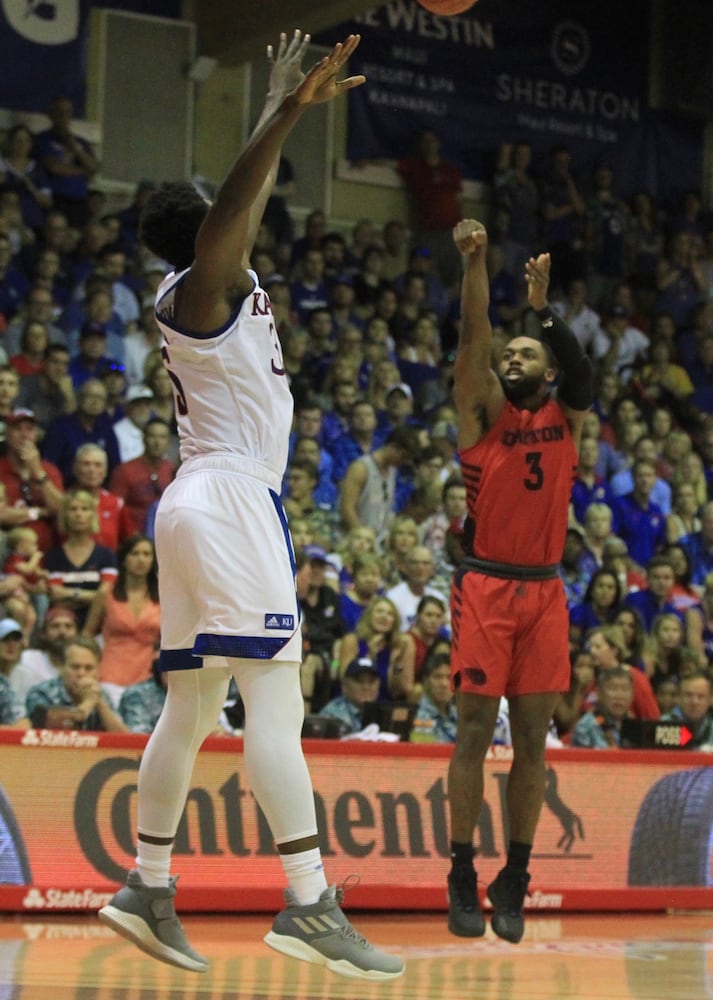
{"points": [[232, 396], [518, 482]]}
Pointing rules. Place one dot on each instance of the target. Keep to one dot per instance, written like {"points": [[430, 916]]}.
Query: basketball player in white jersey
{"points": [[228, 601]]}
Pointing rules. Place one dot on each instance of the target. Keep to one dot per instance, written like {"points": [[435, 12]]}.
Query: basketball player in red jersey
{"points": [[518, 443]]}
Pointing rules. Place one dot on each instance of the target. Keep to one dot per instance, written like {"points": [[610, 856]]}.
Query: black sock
{"points": [[518, 856], [462, 855]]}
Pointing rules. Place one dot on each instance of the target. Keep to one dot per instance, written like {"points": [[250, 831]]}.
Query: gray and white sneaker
{"points": [[320, 933], [147, 916]]}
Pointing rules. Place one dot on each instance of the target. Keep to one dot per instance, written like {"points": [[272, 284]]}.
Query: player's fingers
{"points": [[302, 48], [350, 82], [295, 43], [342, 50]]}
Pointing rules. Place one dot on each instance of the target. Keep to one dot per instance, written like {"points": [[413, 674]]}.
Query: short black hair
{"points": [[170, 222]]}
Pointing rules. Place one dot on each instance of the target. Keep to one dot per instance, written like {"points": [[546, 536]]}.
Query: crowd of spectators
{"points": [[368, 321]]}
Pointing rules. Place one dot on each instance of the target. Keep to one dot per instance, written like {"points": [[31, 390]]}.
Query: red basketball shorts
{"points": [[510, 637]]}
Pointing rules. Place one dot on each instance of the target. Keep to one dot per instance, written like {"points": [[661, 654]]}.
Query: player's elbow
{"points": [[577, 387]]}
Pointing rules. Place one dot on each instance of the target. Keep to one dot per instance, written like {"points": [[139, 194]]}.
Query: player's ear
{"points": [[550, 375]]}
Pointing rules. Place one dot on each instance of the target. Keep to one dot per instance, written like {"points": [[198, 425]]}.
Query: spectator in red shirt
{"points": [[90, 472], [435, 187], [141, 481], [33, 487]]}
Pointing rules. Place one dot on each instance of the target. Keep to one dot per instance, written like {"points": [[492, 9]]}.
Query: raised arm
{"points": [[477, 393], [575, 390], [223, 239], [286, 74]]}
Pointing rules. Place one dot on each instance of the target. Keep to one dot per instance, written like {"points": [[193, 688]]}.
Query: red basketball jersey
{"points": [[519, 479]]}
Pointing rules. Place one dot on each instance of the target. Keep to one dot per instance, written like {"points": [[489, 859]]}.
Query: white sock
{"points": [[305, 875], [153, 863]]}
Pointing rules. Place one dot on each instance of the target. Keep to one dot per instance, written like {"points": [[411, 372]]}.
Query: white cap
{"points": [[138, 392]]}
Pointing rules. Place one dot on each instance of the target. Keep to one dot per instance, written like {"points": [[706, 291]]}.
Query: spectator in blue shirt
{"points": [[361, 438], [325, 492], [436, 719], [14, 286], [695, 710], [657, 598], [639, 521], [12, 711], [367, 582], [91, 361], [610, 460], [571, 567], [699, 546], [622, 482], [141, 704], [360, 685], [68, 161], [600, 606], [589, 487], [310, 291], [88, 424], [335, 421], [600, 729]]}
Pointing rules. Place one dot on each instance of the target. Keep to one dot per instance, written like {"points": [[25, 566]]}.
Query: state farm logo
{"points": [[65, 899], [59, 738], [570, 47]]}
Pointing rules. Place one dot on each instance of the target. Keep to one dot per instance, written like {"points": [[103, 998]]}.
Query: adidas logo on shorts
{"points": [[274, 620]]}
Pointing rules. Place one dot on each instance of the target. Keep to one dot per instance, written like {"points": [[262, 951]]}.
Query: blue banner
{"points": [[511, 70], [43, 52], [43, 48]]}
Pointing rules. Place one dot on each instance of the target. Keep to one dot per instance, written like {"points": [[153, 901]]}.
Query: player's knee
{"points": [[474, 737], [528, 742]]}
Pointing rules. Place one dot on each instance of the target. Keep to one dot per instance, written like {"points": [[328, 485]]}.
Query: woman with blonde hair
{"points": [[378, 637], [598, 520], [403, 534], [683, 519], [677, 444], [607, 647], [360, 541], [384, 376], [78, 566], [665, 653], [689, 469]]}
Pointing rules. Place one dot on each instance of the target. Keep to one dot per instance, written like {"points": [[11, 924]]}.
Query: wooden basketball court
{"points": [[587, 957]]}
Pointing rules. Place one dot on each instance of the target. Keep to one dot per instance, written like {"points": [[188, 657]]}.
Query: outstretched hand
{"points": [[470, 236], [537, 276], [321, 83], [286, 71]]}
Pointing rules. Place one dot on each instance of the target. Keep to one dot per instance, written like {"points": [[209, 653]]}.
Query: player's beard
{"points": [[525, 388]]}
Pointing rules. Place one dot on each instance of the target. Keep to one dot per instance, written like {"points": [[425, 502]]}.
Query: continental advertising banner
{"points": [[630, 830]]}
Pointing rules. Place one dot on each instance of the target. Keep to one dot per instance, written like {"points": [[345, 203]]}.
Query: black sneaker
{"points": [[465, 917], [507, 894]]}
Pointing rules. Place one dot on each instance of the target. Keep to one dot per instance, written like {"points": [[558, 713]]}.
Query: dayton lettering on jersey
{"points": [[536, 435]]}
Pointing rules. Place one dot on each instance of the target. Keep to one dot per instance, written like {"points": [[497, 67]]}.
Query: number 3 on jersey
{"points": [[536, 476], [276, 363], [181, 401]]}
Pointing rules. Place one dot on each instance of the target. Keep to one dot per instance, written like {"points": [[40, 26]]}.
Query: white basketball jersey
{"points": [[232, 395]]}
